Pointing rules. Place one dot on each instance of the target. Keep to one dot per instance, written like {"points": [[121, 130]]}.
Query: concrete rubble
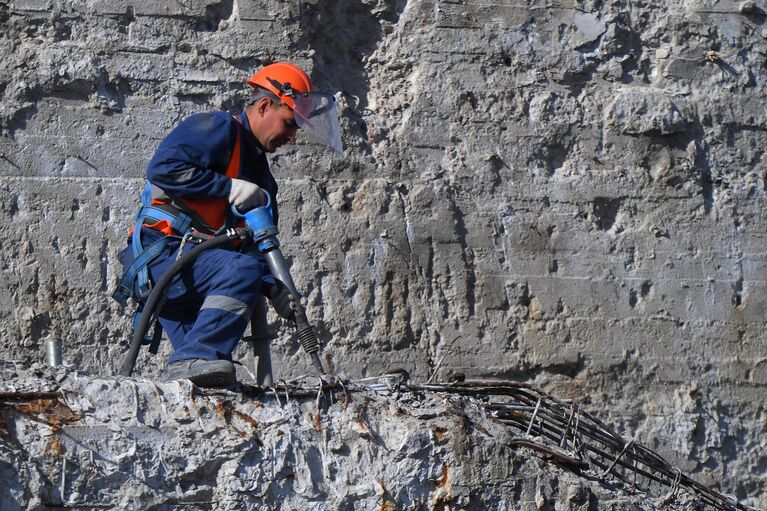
{"points": [[75, 441]]}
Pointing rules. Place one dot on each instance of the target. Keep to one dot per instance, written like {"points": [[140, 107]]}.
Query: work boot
{"points": [[203, 373]]}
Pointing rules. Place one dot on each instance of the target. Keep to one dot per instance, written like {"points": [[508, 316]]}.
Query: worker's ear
{"points": [[263, 104]]}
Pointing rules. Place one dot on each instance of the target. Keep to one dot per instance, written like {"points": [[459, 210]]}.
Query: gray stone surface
{"points": [[137, 444], [569, 193]]}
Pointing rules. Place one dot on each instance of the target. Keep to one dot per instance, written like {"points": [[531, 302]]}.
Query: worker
{"points": [[204, 166]]}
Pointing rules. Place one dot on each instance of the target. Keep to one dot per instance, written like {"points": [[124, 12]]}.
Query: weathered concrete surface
{"points": [[569, 192], [136, 444]]}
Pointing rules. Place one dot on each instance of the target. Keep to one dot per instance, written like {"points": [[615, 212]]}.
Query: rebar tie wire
{"points": [[671, 495], [630, 443], [532, 419], [567, 426]]}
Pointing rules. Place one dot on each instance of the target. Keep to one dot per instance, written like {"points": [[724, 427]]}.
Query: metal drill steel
{"points": [[54, 352]]}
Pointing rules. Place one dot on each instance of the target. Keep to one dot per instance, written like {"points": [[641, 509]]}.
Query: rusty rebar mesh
{"points": [[564, 432], [557, 430]]}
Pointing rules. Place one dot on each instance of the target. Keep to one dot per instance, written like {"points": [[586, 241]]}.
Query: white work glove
{"points": [[246, 195]]}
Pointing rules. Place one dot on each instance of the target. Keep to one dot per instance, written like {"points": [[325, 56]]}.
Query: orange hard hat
{"points": [[284, 80]]}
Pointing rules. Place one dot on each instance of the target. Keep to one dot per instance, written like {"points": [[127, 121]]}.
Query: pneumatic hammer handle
{"points": [[264, 234]]}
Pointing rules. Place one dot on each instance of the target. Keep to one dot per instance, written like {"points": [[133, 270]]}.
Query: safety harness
{"points": [[136, 283]]}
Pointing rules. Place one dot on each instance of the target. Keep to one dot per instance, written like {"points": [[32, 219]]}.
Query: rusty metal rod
{"points": [[28, 396], [585, 428], [666, 478], [602, 464]]}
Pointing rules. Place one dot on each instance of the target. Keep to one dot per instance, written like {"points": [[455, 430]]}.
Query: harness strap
{"points": [[138, 269], [179, 223], [153, 339], [138, 266]]}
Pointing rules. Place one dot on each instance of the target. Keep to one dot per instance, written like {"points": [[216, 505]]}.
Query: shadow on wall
{"points": [[341, 33]]}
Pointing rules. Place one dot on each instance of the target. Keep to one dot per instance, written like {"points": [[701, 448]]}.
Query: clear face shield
{"points": [[316, 114]]}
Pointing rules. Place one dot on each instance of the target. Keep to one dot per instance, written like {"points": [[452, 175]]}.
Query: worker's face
{"points": [[274, 125]]}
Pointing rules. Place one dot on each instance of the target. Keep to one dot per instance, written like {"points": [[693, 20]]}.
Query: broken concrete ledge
{"points": [[74, 441]]}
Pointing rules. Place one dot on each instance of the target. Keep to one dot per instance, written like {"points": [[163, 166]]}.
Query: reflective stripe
{"points": [[183, 177], [226, 303], [158, 193]]}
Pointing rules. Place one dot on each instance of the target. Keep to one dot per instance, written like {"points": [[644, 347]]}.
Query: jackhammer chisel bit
{"points": [[259, 222]]}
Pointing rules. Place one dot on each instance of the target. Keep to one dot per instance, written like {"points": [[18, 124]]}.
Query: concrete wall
{"points": [[566, 192]]}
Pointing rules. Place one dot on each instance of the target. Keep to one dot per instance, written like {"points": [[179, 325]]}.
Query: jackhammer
{"points": [[261, 230]]}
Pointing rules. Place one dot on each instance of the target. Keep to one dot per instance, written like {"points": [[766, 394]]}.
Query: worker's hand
{"points": [[246, 195], [280, 298]]}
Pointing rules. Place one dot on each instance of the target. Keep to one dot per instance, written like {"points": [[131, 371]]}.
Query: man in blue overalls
{"points": [[208, 163]]}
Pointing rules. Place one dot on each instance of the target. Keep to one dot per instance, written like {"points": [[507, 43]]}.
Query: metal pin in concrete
{"points": [[63, 486], [54, 352]]}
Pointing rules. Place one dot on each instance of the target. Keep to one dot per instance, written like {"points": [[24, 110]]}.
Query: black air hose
{"points": [[158, 293]]}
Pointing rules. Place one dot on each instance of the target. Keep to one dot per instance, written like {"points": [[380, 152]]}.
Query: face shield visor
{"points": [[316, 114]]}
